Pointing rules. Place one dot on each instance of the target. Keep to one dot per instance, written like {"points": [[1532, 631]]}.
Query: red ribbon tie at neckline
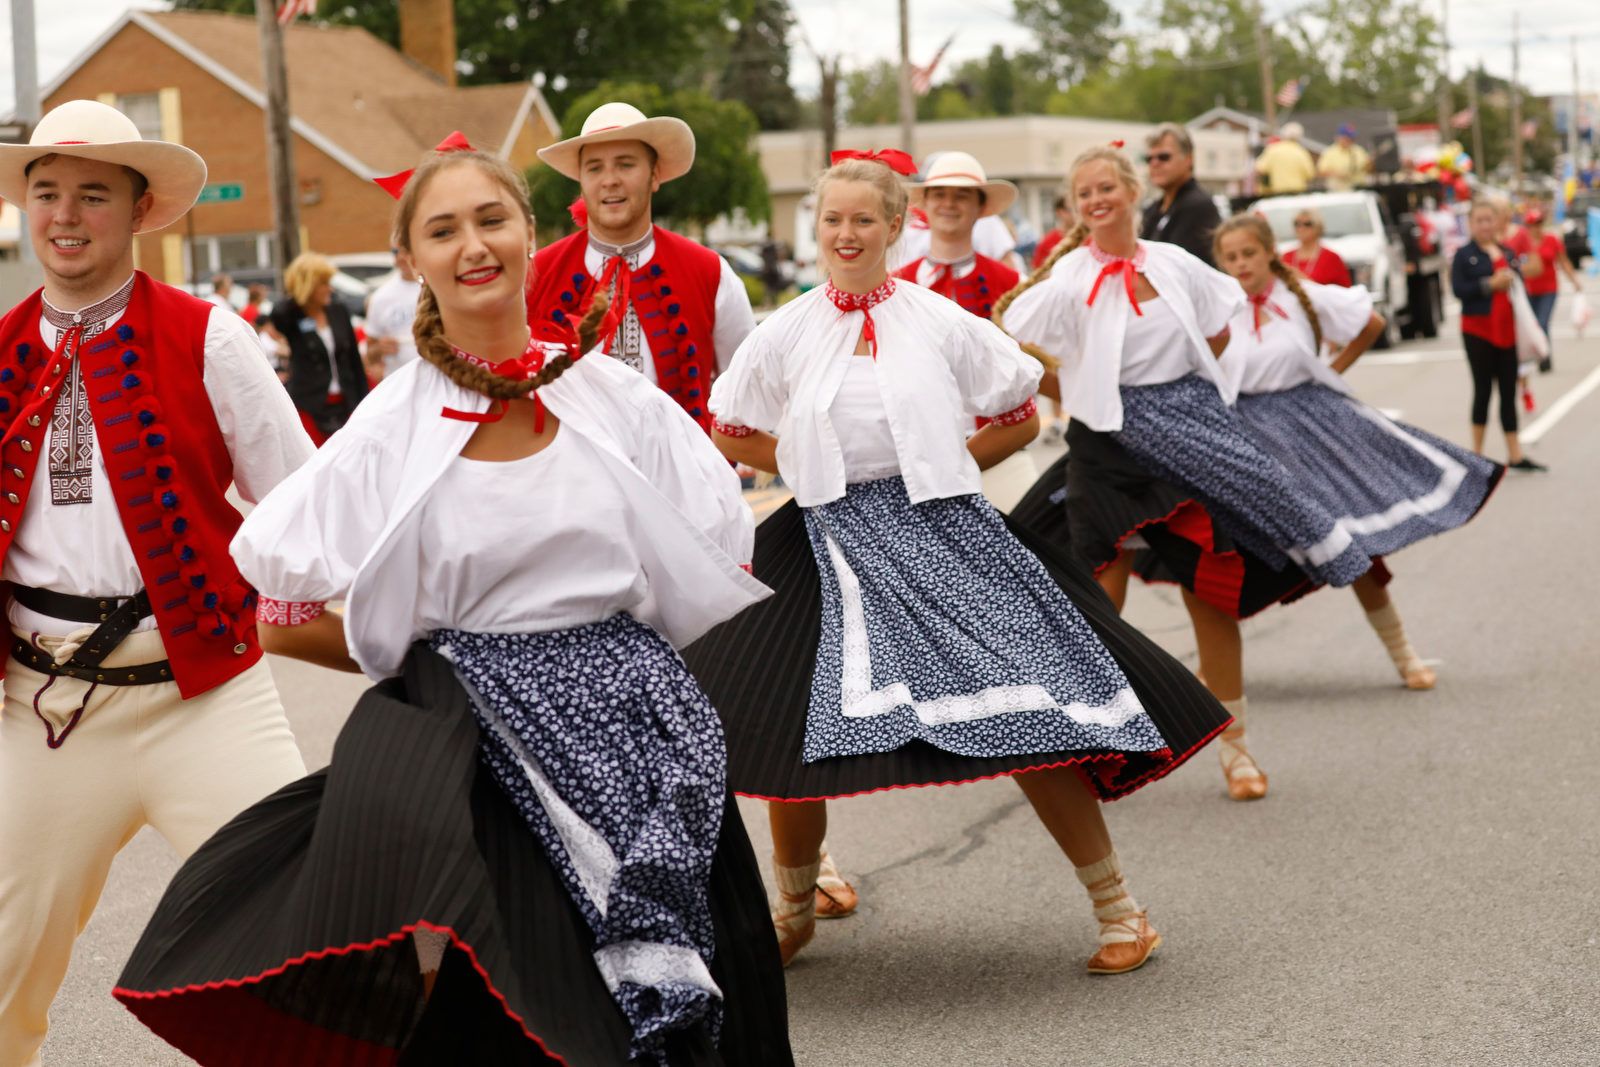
{"points": [[395, 184], [1111, 265], [864, 303], [899, 162], [1261, 300], [524, 367]]}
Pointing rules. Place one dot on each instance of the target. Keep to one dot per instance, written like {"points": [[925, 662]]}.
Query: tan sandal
{"points": [[836, 898], [1246, 780], [1122, 956], [795, 919], [1418, 675]]}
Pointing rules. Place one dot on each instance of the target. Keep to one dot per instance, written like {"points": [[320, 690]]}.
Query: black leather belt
{"points": [[116, 616]]}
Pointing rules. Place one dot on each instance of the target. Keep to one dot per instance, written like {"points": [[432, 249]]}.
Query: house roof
{"points": [[1321, 126], [351, 95]]}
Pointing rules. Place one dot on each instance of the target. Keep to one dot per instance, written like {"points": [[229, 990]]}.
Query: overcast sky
{"points": [[864, 30]]}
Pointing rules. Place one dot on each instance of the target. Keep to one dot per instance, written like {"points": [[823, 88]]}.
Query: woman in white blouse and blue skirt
{"points": [[1156, 459], [524, 850], [1389, 483], [913, 639]]}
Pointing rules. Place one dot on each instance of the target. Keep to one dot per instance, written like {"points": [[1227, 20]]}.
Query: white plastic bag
{"points": [[1580, 312], [1532, 344]]}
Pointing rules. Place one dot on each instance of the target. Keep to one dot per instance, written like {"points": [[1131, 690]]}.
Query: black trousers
{"points": [[1492, 366]]}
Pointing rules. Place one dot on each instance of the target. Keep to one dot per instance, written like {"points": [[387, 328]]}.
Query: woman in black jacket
{"points": [[1481, 277], [326, 378]]}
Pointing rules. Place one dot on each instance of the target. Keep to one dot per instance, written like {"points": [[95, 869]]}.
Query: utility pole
{"points": [[1477, 119], [280, 143], [25, 78], [1444, 71], [1516, 104], [1269, 99], [828, 107], [1572, 113], [908, 99]]}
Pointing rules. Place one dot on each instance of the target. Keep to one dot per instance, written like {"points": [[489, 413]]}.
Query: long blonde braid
{"points": [[1261, 230]]}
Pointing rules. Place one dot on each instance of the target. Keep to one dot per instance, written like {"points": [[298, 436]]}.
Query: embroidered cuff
{"points": [[1018, 414], [288, 612], [729, 429]]}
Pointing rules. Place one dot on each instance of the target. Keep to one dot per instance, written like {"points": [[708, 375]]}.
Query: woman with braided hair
{"points": [[1156, 458], [913, 639], [524, 850], [1390, 483]]}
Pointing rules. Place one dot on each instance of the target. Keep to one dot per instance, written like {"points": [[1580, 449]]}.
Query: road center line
{"points": [[1563, 405]]}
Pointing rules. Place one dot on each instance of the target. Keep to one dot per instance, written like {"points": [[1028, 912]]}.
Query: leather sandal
{"points": [[1418, 675], [1246, 780], [795, 923], [836, 898], [1120, 957]]}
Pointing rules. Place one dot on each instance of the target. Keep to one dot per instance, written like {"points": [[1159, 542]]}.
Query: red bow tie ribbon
{"points": [[864, 303], [1113, 265], [395, 184], [520, 369], [893, 158], [1261, 300]]}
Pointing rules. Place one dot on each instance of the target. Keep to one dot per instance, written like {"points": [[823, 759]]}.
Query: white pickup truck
{"points": [[1406, 281]]}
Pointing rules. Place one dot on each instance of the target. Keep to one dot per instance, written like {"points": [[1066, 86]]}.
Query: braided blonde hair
{"points": [[1124, 170], [1261, 230], [428, 326]]}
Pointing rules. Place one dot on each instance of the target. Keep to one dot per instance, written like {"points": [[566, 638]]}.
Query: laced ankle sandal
{"points": [[1418, 675], [836, 898], [1135, 942], [1246, 780], [795, 918]]}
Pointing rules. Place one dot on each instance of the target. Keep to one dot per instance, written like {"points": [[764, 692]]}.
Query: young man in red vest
{"points": [[955, 194], [135, 692], [678, 310]]}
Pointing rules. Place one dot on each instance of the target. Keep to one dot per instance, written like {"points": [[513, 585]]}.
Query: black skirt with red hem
{"points": [[1096, 498], [286, 939], [757, 670]]}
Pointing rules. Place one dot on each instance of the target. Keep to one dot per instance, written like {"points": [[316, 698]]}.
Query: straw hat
{"points": [[958, 170], [671, 138], [89, 129]]}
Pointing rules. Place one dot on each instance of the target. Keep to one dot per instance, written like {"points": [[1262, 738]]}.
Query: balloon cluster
{"points": [[1450, 164]]}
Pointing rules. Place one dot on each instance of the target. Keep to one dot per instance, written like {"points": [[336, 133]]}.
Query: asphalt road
{"points": [[1422, 886]]}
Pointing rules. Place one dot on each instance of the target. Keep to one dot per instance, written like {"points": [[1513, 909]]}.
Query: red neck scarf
{"points": [[520, 369], [1113, 265], [1260, 301], [864, 303]]}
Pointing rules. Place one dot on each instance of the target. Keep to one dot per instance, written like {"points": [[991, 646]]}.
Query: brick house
{"points": [[360, 109]]}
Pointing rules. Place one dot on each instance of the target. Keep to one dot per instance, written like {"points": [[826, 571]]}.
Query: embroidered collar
{"points": [[96, 314], [520, 369], [860, 301], [1112, 266], [626, 251], [1106, 259]]}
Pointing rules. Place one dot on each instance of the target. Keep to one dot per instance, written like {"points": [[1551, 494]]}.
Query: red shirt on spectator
{"points": [[1046, 245], [1499, 327], [1549, 254], [1328, 269]]}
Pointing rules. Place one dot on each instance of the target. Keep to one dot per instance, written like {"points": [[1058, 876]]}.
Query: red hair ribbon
{"points": [[1119, 143], [1261, 300], [893, 158], [580, 213], [395, 184]]}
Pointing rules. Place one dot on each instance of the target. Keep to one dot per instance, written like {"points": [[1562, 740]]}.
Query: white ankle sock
{"points": [[1114, 906], [797, 893], [1231, 744], [1386, 623]]}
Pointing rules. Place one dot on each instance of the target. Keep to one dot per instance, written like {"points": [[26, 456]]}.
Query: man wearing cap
{"points": [[1285, 164], [135, 692], [678, 310], [1344, 163], [954, 194], [1184, 214]]}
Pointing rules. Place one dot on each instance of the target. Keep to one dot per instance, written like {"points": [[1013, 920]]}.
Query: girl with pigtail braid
{"points": [[1394, 483], [1161, 478], [527, 826]]}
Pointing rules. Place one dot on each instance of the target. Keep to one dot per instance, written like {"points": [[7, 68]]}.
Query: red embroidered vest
{"points": [[165, 457], [674, 295], [980, 290]]}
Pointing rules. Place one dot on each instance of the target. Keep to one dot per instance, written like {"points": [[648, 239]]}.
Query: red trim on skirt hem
{"points": [[130, 997]]}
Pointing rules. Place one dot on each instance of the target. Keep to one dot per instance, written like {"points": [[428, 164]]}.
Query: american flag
{"points": [[1463, 118], [1530, 130], [922, 77], [1292, 89], [290, 10]]}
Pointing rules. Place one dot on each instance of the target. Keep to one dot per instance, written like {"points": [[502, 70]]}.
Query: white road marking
{"points": [[1561, 408], [1411, 356]]}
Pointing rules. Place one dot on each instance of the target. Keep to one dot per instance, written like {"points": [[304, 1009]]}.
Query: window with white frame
{"points": [[145, 111]]}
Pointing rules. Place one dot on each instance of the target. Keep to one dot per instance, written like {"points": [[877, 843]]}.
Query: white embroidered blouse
{"points": [[1281, 352], [937, 367]]}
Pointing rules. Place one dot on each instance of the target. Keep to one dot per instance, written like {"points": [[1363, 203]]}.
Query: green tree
{"points": [[575, 45], [727, 171], [873, 94], [1369, 53], [1078, 36], [757, 71]]}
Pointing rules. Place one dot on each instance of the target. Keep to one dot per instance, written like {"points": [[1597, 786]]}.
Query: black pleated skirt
{"points": [[285, 940], [757, 669], [1096, 497]]}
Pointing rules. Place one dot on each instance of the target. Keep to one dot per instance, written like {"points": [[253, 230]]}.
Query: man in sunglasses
{"points": [[1184, 214]]}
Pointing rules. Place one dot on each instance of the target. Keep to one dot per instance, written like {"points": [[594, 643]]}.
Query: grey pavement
{"points": [[1422, 886]]}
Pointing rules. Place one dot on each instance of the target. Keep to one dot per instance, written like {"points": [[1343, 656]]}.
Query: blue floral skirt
{"points": [[1388, 484]]}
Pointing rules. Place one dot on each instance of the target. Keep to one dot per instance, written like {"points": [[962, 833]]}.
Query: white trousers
{"points": [[138, 755]]}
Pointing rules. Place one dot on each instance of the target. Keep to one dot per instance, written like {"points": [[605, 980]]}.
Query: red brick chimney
{"points": [[428, 35]]}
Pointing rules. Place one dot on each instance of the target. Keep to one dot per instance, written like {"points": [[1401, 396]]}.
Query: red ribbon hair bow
{"points": [[896, 160], [395, 184]]}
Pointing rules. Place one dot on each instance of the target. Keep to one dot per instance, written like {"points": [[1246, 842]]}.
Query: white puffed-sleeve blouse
{"points": [[1285, 354], [361, 520], [937, 368]]}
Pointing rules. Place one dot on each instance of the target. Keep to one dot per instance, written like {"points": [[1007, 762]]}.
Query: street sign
{"points": [[221, 192]]}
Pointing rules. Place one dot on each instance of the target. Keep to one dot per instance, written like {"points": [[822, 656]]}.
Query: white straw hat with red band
{"points": [[958, 170], [671, 138], [89, 129]]}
